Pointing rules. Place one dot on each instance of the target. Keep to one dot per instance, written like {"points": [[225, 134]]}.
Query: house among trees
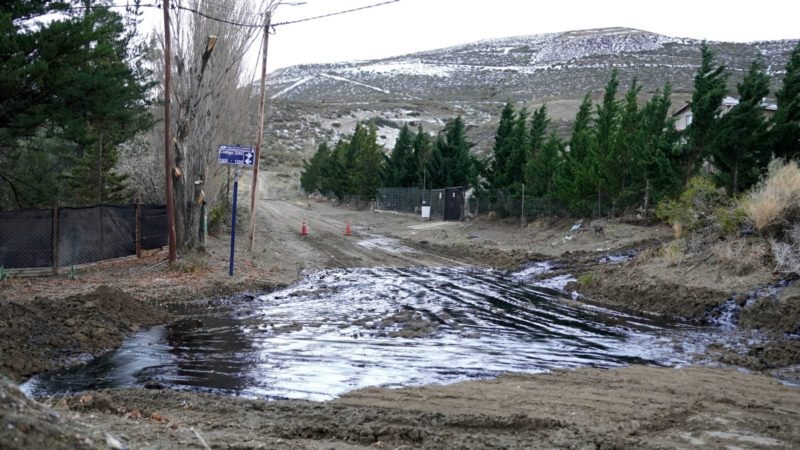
{"points": [[683, 116]]}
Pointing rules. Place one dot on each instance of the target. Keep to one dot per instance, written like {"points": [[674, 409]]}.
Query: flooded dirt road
{"points": [[340, 330]]}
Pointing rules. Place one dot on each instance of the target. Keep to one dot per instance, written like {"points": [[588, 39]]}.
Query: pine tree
{"points": [[501, 151], [785, 131], [519, 145], [537, 137], [575, 183], [437, 173], [601, 167], [368, 162], [460, 162], [314, 170], [545, 167], [400, 170], [93, 179], [709, 90], [74, 80], [629, 122], [655, 173], [740, 145], [339, 172], [422, 155], [450, 163]]}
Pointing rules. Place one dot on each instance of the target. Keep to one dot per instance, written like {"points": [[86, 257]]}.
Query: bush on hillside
{"points": [[695, 207]]}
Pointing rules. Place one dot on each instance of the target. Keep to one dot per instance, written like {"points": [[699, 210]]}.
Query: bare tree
{"points": [[212, 91]]}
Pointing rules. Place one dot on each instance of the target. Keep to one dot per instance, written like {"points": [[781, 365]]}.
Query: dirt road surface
{"points": [[327, 245]]}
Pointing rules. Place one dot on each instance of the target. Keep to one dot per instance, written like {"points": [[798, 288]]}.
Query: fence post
{"points": [[522, 214], [138, 236], [54, 243]]}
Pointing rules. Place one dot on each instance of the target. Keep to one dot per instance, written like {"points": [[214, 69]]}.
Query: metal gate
{"points": [[454, 204]]}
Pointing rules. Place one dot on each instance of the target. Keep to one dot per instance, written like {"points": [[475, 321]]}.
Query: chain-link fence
{"points": [[63, 237], [411, 200], [506, 204], [500, 202]]}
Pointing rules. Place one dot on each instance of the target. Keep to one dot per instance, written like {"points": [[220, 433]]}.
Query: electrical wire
{"points": [[245, 24], [290, 22]]}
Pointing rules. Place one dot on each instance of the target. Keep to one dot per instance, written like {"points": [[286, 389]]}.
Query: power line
{"points": [[335, 13], [245, 24], [217, 19]]}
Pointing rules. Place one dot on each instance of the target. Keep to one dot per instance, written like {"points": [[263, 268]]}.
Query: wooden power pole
{"points": [[167, 138], [260, 139]]}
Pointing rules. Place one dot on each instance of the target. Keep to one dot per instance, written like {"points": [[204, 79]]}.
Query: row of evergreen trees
{"points": [[357, 166], [620, 154]]}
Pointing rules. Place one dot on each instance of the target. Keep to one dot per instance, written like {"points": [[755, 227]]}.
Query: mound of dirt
{"points": [[46, 334], [26, 424], [630, 288], [781, 315]]}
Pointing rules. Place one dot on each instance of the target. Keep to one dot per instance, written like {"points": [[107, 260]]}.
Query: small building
{"points": [[454, 204], [683, 116]]}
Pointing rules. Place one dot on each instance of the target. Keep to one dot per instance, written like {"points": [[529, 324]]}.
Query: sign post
{"points": [[238, 157]]}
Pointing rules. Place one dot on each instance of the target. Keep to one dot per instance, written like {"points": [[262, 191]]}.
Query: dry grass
{"points": [[192, 262], [674, 253], [775, 203], [741, 257], [787, 254]]}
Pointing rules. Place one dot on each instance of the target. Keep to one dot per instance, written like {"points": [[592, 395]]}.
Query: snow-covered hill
{"points": [[538, 67]]}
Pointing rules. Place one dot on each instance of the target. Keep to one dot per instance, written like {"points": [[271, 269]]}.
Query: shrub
{"points": [[586, 278], [216, 216], [774, 203], [787, 254], [694, 208], [673, 253], [730, 220]]}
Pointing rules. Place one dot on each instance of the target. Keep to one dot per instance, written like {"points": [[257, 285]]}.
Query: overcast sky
{"points": [[414, 25]]}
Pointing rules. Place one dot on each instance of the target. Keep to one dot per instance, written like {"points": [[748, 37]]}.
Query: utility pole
{"points": [[259, 141], [167, 138]]}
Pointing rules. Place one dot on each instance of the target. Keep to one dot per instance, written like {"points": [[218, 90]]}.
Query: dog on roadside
{"points": [[598, 229]]}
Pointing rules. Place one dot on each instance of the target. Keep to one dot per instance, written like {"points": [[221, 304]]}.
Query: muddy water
{"points": [[341, 330]]}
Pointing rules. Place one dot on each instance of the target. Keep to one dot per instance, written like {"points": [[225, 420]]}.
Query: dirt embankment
{"points": [[47, 334]]}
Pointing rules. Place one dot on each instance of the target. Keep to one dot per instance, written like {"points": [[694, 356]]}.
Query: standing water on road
{"points": [[340, 330]]}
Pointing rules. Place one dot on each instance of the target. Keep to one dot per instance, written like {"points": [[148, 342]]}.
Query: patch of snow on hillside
{"points": [[296, 84], [338, 78], [387, 136], [404, 68]]}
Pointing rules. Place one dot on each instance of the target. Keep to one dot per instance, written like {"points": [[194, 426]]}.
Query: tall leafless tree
{"points": [[212, 92]]}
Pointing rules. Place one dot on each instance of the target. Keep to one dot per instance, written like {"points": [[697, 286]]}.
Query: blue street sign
{"points": [[238, 156]]}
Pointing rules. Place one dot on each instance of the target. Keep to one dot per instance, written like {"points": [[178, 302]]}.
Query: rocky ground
{"points": [[55, 321]]}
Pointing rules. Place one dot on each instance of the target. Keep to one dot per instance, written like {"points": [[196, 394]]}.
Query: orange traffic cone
{"points": [[347, 231], [304, 229]]}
